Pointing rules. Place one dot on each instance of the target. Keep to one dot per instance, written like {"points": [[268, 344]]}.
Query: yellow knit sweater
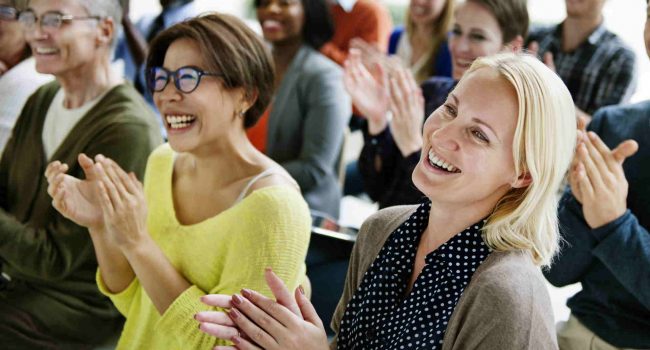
{"points": [[221, 255]]}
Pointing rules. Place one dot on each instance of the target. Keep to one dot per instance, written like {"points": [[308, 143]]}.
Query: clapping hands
{"points": [[597, 178], [109, 200], [254, 321]]}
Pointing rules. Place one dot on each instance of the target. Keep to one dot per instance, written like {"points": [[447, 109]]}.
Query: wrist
{"points": [[377, 124], [135, 247], [409, 147]]}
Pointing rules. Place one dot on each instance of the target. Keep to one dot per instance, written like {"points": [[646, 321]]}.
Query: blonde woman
{"points": [[461, 270], [422, 43]]}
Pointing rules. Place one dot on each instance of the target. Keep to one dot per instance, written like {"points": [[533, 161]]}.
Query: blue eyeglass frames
{"points": [[186, 79]]}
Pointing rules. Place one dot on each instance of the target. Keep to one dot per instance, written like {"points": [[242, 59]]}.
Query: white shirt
{"points": [[16, 85], [59, 121]]}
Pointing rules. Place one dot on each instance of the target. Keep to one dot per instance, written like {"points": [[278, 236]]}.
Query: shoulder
{"points": [[622, 121], [161, 158], [376, 229], [511, 282], [368, 7], [316, 64]]}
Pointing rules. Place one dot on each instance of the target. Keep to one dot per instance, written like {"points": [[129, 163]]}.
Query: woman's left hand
{"points": [[123, 203], [271, 325]]}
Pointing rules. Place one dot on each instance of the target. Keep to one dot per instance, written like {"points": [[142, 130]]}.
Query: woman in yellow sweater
{"points": [[213, 211]]}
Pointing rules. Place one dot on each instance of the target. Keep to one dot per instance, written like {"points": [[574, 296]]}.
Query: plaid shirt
{"points": [[600, 72]]}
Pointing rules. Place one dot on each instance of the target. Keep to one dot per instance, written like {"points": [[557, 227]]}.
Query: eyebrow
{"points": [[476, 120]]}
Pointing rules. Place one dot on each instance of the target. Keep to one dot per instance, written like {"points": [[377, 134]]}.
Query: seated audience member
{"points": [[18, 75], [392, 148], [604, 219], [458, 271], [596, 66], [213, 211], [368, 20], [48, 295], [303, 128]]}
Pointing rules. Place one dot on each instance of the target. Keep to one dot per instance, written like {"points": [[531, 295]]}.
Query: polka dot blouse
{"points": [[380, 316]]}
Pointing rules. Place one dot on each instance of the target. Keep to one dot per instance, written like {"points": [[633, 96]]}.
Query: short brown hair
{"points": [[512, 16], [229, 47]]}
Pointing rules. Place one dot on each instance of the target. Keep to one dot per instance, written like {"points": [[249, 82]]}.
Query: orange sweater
{"points": [[368, 20]]}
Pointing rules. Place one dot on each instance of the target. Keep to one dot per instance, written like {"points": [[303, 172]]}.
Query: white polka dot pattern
{"points": [[379, 316]]}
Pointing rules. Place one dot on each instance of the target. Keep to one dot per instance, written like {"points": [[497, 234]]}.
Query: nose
{"points": [[169, 93], [34, 32], [446, 137]]}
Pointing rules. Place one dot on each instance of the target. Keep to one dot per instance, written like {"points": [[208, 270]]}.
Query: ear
{"points": [[523, 180], [516, 44], [249, 98], [106, 31]]}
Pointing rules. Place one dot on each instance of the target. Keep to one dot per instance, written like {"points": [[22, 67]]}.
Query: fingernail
{"points": [[235, 339], [302, 291], [268, 269], [246, 293], [234, 314], [236, 299]]}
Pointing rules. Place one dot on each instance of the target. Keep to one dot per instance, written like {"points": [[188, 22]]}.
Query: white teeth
{"points": [[433, 159], [179, 121], [45, 50]]}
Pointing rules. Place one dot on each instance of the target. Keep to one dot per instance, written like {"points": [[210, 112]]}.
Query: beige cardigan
{"points": [[505, 306]]}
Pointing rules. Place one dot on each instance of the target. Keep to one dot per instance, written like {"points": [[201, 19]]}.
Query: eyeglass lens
{"points": [[185, 79], [8, 13]]}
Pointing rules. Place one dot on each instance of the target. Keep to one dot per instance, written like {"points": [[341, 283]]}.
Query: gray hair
{"points": [[106, 8]]}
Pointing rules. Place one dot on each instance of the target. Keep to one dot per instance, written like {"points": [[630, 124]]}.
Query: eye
{"points": [[456, 32], [449, 109], [477, 37], [480, 136]]}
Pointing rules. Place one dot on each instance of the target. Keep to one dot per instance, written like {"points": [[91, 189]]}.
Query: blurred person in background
{"points": [[48, 295], [18, 75], [392, 146], [605, 222], [594, 63], [303, 128]]}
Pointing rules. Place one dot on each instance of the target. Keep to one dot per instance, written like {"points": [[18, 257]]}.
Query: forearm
{"points": [[159, 278], [116, 272], [624, 248]]}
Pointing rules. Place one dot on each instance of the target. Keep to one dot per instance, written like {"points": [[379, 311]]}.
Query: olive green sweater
{"points": [[51, 260]]}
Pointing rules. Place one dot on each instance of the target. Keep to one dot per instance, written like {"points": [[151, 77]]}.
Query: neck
{"points": [[423, 31], [232, 157], [446, 221], [575, 30], [11, 59], [87, 82], [283, 53]]}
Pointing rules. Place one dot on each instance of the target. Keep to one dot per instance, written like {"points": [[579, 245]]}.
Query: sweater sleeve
{"points": [[624, 248], [272, 232], [328, 110], [62, 247], [575, 255]]}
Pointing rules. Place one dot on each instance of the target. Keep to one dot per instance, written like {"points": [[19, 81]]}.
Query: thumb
{"points": [[308, 312], [624, 150], [533, 47], [87, 165], [280, 291], [548, 60]]}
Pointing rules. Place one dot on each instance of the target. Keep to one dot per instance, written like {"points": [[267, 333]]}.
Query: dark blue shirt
{"points": [[612, 262], [381, 316]]}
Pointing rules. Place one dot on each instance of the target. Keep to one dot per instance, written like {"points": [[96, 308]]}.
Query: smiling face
{"points": [[71, 48], [12, 40], [281, 20], [476, 33], [202, 117], [426, 12], [467, 155]]}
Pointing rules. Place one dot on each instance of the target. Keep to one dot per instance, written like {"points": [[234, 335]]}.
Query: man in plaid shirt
{"points": [[594, 63]]}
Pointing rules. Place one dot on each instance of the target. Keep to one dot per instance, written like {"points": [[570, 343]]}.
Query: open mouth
{"points": [[181, 121], [46, 50], [441, 164], [463, 63], [271, 25]]}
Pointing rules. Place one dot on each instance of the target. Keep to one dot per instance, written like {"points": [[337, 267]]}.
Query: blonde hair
{"points": [[544, 143], [438, 36]]}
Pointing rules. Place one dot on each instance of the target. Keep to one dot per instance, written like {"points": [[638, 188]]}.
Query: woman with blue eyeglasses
{"points": [[213, 211]]}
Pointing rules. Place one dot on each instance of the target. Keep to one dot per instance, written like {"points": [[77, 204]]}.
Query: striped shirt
{"points": [[600, 72]]}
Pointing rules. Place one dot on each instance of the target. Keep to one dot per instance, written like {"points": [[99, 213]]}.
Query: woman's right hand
{"points": [[369, 91], [77, 200]]}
